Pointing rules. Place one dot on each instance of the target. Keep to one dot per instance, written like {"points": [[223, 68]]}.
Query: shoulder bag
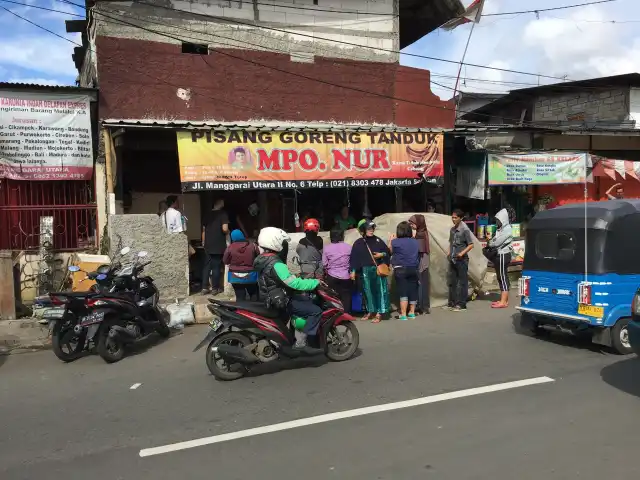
{"points": [[383, 269]]}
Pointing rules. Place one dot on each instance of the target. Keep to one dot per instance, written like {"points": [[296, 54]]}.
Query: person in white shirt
{"points": [[172, 219]]}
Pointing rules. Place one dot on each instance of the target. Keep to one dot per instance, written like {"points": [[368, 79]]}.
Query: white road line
{"points": [[134, 386], [329, 417]]}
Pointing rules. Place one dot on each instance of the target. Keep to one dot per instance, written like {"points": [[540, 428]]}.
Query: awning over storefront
{"points": [[615, 169], [255, 157]]}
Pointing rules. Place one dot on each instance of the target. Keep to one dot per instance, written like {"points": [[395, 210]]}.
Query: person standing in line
{"points": [[460, 244], [405, 255], [239, 256], [367, 253], [502, 241], [171, 218], [214, 241], [309, 250], [335, 259], [421, 234]]}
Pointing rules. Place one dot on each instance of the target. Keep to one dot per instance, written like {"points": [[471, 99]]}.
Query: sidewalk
{"points": [[23, 335]]}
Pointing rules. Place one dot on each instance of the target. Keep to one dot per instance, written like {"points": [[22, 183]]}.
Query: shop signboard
{"points": [[243, 160], [45, 136], [537, 168]]}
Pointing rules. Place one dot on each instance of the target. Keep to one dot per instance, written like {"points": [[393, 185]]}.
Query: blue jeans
{"points": [[302, 306]]}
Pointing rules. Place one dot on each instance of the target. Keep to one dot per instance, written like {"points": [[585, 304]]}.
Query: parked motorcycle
{"points": [[126, 313], [71, 324], [262, 335]]}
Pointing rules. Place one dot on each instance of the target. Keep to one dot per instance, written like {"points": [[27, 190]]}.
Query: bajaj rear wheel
{"points": [[620, 337]]}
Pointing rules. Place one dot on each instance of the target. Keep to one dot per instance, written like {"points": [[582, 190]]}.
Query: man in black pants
{"points": [[460, 244], [214, 241]]}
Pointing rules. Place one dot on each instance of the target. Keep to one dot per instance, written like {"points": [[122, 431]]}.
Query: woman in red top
{"points": [[239, 256]]}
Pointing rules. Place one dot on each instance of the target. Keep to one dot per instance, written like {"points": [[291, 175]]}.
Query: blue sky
{"points": [[577, 43]]}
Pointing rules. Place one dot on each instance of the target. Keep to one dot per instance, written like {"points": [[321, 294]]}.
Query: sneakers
{"points": [[302, 347], [459, 309]]}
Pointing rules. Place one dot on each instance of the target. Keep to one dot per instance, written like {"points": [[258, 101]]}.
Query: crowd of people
{"points": [[360, 271]]}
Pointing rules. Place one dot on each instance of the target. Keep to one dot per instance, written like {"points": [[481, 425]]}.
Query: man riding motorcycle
{"points": [[282, 290]]}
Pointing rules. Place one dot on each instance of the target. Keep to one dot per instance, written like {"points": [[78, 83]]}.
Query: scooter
{"points": [[243, 334], [72, 325], [127, 313]]}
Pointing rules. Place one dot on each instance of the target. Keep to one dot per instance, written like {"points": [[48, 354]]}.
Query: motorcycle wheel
{"points": [[223, 371], [338, 346], [66, 344], [163, 329], [110, 348]]}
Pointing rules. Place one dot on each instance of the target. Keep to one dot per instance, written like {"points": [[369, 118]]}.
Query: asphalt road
{"points": [[83, 420]]}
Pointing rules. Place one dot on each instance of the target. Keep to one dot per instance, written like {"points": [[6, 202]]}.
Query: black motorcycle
{"points": [[71, 325], [127, 313]]}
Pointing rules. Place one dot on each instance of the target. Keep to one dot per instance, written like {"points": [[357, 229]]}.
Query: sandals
{"points": [[377, 319], [365, 318]]}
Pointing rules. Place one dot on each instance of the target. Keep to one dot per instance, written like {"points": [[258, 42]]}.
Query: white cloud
{"points": [[36, 81], [43, 54]]}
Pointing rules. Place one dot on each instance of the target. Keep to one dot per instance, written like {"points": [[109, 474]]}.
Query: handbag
{"points": [[383, 269], [490, 253]]}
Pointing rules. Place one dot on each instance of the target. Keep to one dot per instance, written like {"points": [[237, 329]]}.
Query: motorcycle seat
{"points": [[254, 307], [73, 294]]}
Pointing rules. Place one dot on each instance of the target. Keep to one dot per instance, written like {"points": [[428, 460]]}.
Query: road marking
{"points": [[329, 417], [134, 386]]}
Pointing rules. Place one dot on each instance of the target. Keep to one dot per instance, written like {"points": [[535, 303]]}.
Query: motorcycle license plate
{"points": [[215, 324], [92, 318]]}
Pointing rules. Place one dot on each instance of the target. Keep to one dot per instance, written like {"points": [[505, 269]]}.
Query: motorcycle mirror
{"points": [[73, 268], [102, 276], [142, 254], [125, 250]]}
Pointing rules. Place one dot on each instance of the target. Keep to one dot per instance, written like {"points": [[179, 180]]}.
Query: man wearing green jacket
{"points": [[282, 290]]}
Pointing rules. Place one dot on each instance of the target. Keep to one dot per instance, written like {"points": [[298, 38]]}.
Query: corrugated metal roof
{"points": [[263, 125], [34, 86]]}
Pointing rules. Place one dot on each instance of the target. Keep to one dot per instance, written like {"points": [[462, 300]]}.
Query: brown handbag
{"points": [[383, 269]]}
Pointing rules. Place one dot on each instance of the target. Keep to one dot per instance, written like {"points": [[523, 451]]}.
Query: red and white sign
{"points": [[45, 136], [471, 15]]}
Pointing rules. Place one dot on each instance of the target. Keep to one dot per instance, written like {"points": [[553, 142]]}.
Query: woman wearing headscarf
{"points": [[421, 234], [239, 256], [367, 253]]}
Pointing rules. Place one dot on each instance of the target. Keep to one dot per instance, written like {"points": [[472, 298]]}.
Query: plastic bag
{"points": [[181, 314]]}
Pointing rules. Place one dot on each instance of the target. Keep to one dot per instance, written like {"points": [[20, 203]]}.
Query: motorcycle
{"points": [[71, 325], [243, 334], [127, 313]]}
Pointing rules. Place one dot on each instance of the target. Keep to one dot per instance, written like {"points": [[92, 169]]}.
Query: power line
{"points": [[45, 8], [229, 20], [540, 10], [367, 92], [234, 40], [533, 124]]}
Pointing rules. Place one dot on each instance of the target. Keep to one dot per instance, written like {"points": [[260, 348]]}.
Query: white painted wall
{"points": [[634, 105], [302, 22]]}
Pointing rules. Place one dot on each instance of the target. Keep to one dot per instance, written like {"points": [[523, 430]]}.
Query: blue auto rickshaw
{"points": [[581, 271]]}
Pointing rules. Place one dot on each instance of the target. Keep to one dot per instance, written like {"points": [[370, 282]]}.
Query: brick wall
{"points": [[143, 79], [589, 105]]}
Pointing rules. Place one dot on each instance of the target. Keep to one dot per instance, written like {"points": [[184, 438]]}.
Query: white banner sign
{"points": [[45, 136]]}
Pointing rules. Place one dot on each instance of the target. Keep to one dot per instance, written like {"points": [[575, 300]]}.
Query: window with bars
{"points": [[24, 203]]}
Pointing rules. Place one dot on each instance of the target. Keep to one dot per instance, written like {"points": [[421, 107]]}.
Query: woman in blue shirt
{"points": [[405, 254]]}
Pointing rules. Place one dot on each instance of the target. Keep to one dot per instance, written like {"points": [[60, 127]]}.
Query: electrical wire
{"points": [[315, 37], [45, 8], [439, 107], [551, 9]]}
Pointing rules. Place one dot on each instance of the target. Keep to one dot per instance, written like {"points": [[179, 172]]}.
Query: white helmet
{"points": [[272, 238]]}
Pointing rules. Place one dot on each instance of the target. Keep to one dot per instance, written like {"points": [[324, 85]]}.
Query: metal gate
{"points": [[70, 203]]}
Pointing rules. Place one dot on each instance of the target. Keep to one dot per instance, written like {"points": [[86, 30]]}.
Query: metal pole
{"points": [[464, 54], [586, 197]]}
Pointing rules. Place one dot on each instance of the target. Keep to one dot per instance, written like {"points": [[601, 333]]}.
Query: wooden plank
{"points": [[7, 290]]}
